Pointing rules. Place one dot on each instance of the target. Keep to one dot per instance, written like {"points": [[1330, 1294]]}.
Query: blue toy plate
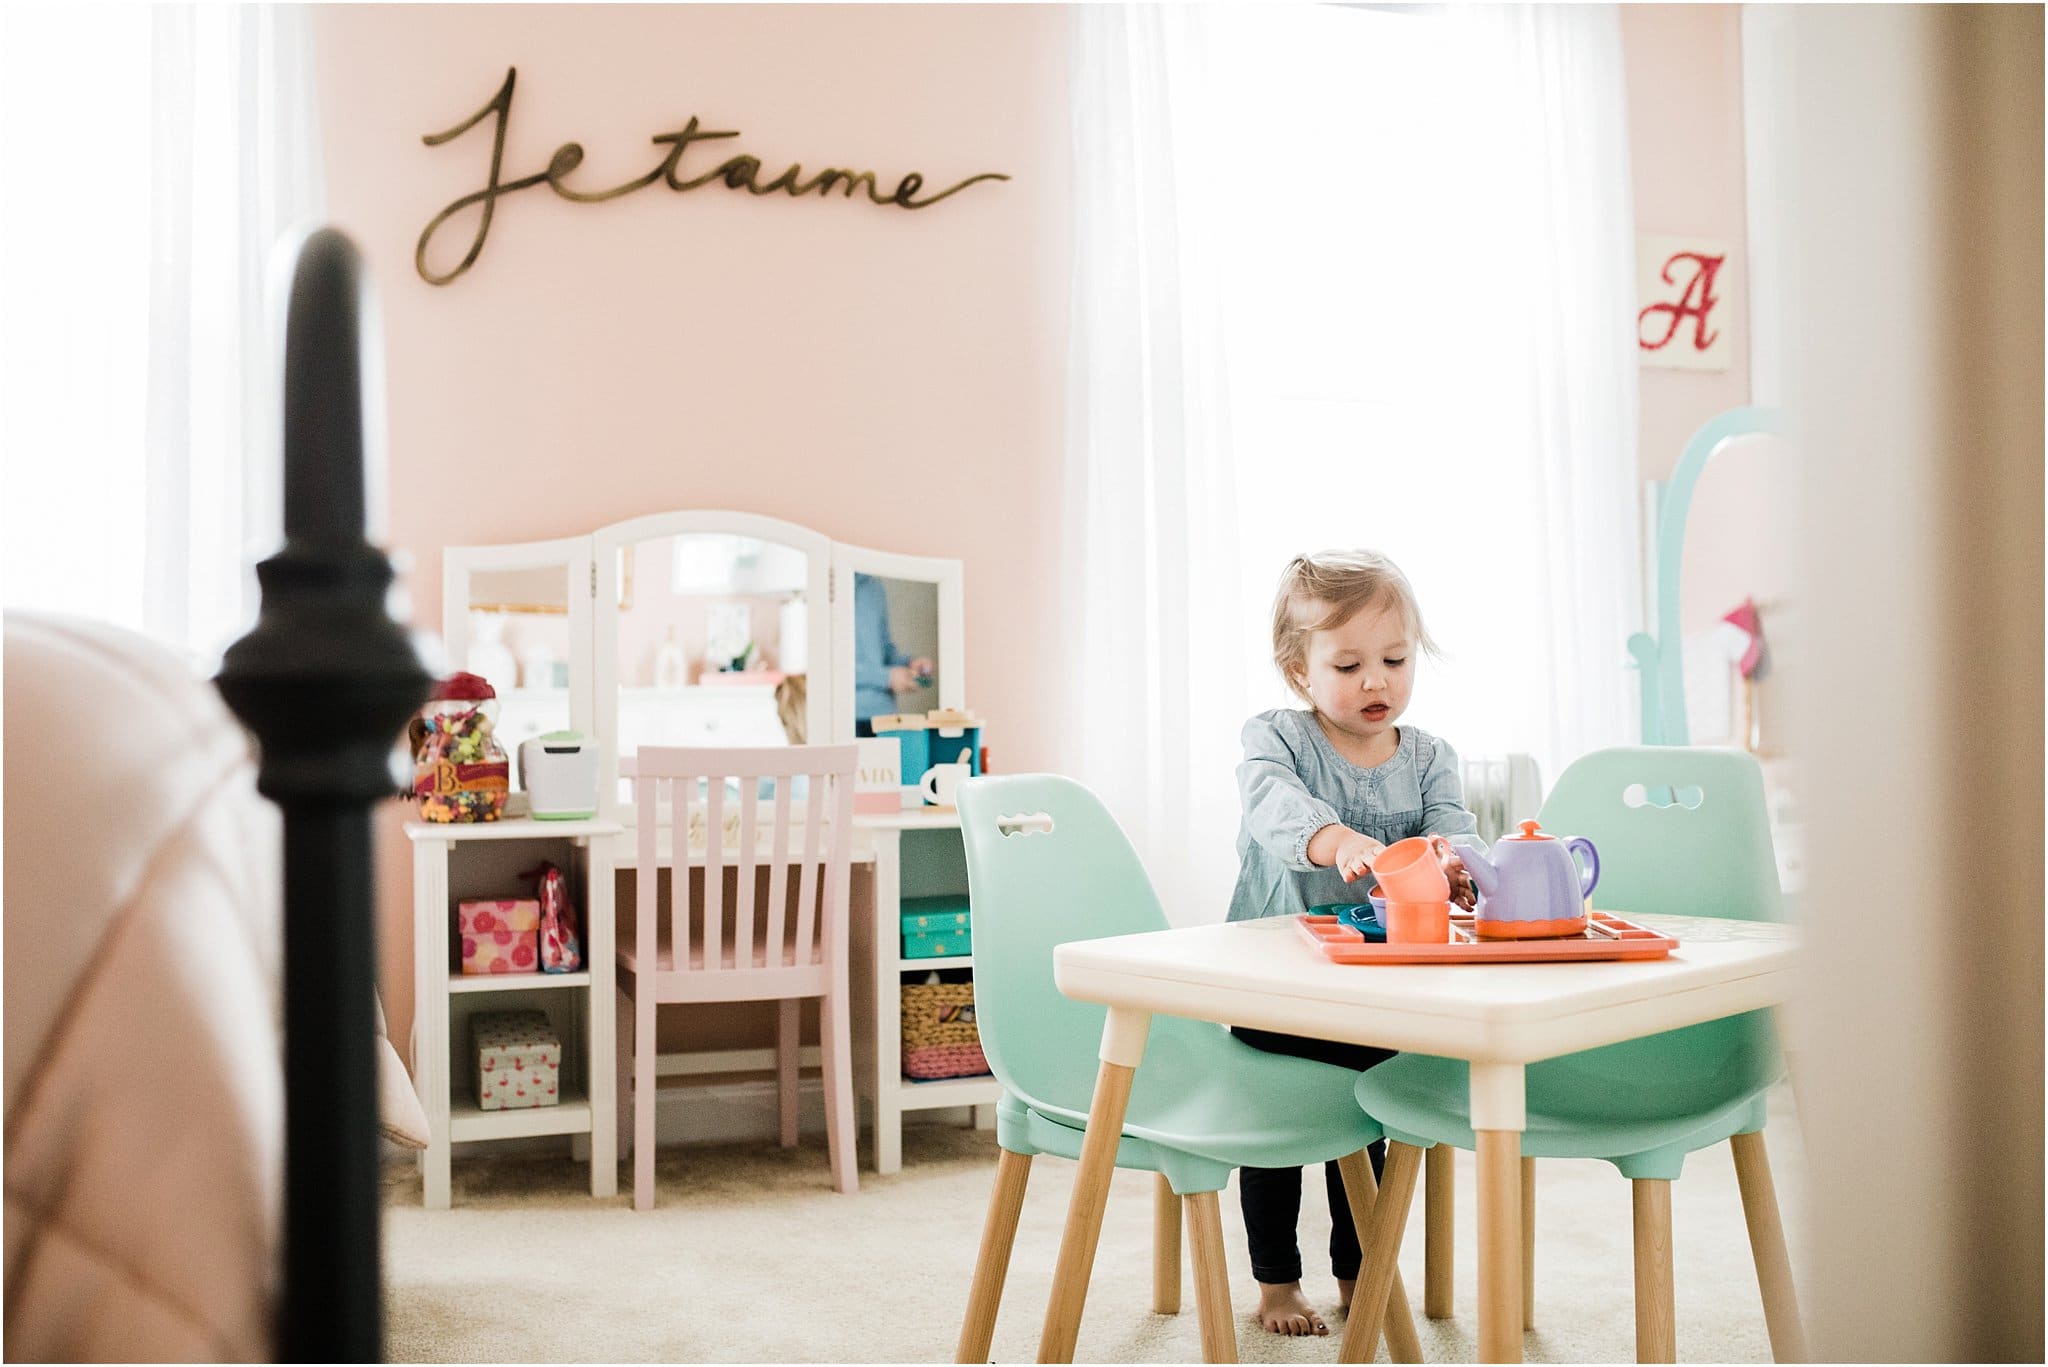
{"points": [[1358, 916]]}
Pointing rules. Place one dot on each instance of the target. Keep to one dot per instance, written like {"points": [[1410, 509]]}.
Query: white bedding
{"points": [[144, 1084]]}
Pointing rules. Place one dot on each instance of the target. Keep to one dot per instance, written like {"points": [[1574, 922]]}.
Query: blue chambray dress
{"points": [[1293, 783]]}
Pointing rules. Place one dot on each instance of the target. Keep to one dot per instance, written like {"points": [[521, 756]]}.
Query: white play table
{"points": [[1500, 1017]]}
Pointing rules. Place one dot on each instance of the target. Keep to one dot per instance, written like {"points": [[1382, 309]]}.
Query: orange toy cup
{"points": [[1409, 871], [1418, 923]]}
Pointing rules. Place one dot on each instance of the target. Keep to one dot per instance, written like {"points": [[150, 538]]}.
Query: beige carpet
{"points": [[749, 1256]]}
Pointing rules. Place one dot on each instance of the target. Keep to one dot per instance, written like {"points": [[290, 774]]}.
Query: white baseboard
{"points": [[732, 1111]]}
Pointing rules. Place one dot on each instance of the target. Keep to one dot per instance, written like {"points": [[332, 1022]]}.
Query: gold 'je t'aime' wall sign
{"points": [[738, 173]]}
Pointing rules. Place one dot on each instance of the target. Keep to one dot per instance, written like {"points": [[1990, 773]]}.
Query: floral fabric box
{"points": [[499, 935], [518, 1060]]}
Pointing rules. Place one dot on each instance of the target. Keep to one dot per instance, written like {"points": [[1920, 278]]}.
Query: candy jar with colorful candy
{"points": [[460, 772]]}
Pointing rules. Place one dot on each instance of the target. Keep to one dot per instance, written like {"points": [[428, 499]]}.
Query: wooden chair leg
{"points": [[1212, 1278], [786, 1038], [998, 1235], [643, 1099], [1439, 1205], [1528, 1243], [1767, 1245], [1656, 1327], [837, 1032], [1379, 1299], [1165, 1248]]}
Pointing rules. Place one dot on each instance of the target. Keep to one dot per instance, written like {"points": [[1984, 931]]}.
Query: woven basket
{"points": [[944, 1060], [940, 1038]]}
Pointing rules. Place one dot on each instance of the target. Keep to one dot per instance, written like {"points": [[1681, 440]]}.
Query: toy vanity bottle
{"points": [[459, 770]]}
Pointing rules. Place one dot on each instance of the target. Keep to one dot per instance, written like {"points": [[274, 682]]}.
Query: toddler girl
{"points": [[1324, 789]]}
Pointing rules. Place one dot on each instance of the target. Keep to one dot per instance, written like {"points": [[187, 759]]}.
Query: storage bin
{"points": [[936, 927], [940, 1038], [499, 935], [518, 1060]]}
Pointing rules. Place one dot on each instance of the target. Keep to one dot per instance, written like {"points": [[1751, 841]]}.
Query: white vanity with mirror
{"points": [[702, 628]]}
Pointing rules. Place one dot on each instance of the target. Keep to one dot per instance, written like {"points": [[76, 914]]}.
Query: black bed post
{"points": [[326, 681]]}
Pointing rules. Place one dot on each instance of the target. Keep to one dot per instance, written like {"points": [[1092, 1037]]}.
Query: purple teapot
{"points": [[1529, 887]]}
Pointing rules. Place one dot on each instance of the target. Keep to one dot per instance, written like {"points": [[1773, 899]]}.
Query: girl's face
{"points": [[1360, 672]]}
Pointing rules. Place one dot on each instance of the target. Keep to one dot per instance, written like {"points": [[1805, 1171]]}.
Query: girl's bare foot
{"points": [[1284, 1310], [1344, 1290]]}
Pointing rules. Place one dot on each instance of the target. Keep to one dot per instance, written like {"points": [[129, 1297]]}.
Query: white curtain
{"points": [[1343, 276], [1150, 564], [173, 156]]}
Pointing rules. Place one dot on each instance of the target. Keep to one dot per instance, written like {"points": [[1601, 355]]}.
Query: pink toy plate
{"points": [[1607, 936]]}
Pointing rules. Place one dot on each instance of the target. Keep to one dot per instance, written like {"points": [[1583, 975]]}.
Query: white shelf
{"points": [[508, 982], [467, 1120], [448, 861], [913, 1095], [909, 819], [507, 828], [932, 965]]}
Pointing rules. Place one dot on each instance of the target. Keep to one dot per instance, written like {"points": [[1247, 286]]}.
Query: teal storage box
{"points": [[936, 927]]}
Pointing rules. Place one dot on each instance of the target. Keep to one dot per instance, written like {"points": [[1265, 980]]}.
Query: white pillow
{"points": [[399, 1113]]}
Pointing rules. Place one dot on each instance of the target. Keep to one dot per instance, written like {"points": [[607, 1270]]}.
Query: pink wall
{"points": [[889, 378], [1684, 67], [1687, 158]]}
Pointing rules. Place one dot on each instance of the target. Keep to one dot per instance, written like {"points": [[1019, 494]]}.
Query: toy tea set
{"points": [[1534, 904]]}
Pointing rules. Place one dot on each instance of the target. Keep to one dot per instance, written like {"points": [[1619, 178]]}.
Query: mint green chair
{"points": [[1644, 1104], [1202, 1102]]}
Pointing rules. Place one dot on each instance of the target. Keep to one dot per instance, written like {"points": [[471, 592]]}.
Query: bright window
{"points": [[1393, 338]]}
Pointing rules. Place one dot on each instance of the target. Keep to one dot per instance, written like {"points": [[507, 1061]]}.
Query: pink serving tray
{"points": [[1607, 936]]}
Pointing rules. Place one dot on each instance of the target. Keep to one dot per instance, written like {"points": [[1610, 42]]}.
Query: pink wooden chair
{"points": [[690, 945]]}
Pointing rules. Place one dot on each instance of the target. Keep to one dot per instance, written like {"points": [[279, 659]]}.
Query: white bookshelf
{"points": [[485, 859]]}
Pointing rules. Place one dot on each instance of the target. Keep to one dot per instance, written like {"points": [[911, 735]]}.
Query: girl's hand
{"points": [[1343, 849], [1354, 855], [1462, 891]]}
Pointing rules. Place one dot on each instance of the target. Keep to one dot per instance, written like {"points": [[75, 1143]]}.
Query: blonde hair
{"points": [[790, 698], [1343, 584]]}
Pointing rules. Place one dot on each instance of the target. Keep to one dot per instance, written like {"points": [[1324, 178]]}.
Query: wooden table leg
{"points": [[1439, 1205], [1377, 1299], [1123, 1044], [1498, 1115]]}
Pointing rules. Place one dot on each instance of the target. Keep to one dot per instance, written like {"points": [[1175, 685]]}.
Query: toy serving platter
{"points": [[1606, 936]]}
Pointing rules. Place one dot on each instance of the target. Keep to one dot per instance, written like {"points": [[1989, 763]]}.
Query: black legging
{"points": [[1271, 1197]]}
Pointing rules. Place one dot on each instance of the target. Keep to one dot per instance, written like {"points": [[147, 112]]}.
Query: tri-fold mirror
{"points": [[702, 628]]}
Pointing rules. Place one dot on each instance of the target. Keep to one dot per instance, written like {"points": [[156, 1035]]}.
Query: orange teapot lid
{"points": [[1530, 832]]}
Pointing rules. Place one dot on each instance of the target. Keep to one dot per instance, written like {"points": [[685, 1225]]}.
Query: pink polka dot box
{"points": [[518, 1060], [499, 936]]}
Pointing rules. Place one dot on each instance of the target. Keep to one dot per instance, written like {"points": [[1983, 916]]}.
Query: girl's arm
{"points": [[1279, 810]]}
